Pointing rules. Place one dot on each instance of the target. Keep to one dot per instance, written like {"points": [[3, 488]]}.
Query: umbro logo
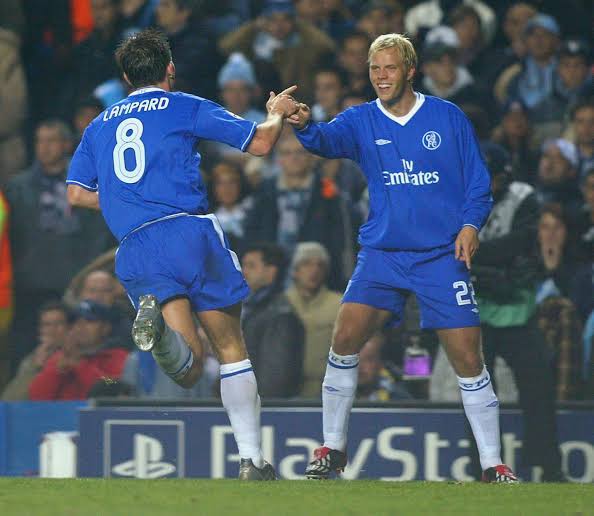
{"points": [[381, 141]]}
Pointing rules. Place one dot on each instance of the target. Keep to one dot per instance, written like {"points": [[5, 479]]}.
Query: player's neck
{"points": [[163, 85], [401, 106]]}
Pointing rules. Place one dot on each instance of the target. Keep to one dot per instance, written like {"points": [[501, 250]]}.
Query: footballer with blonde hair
{"points": [[429, 195]]}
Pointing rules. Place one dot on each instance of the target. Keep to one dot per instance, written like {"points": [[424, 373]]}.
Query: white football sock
{"points": [[482, 410], [338, 393], [173, 354], [239, 393]]}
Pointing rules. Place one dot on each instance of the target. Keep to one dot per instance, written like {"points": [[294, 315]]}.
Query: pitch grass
{"points": [[89, 497]]}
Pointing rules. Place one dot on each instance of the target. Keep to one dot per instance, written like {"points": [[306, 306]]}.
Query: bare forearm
{"points": [[82, 198], [267, 134]]}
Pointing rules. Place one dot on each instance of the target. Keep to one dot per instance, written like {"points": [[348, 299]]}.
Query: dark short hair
{"points": [[462, 12], [355, 34], [56, 305], [244, 186], [144, 57], [59, 124], [556, 210], [272, 254]]}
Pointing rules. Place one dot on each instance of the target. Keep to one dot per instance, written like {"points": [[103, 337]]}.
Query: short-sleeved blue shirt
{"points": [[140, 154]]}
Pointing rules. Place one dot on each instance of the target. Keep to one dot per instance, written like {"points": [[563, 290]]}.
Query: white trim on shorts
{"points": [[217, 227]]}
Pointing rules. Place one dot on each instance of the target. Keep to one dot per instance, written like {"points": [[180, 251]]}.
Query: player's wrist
{"points": [[470, 226], [275, 114]]}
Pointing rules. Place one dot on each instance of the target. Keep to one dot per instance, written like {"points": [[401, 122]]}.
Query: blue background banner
{"points": [[391, 444], [22, 425]]}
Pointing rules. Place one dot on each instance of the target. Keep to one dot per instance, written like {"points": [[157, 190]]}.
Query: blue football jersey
{"points": [[425, 174], [140, 154]]}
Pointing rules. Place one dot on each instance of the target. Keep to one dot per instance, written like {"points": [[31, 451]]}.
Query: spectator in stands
{"points": [[238, 91], [330, 87], [572, 82], [465, 20], [52, 330], [104, 262], [504, 270], [514, 26], [514, 134], [352, 57], [375, 382], [71, 372], [336, 19], [102, 287], [557, 265], [238, 88], [42, 224], [294, 48], [300, 206], [443, 77], [310, 11], [230, 201], [94, 68], [582, 121], [273, 333], [317, 307], [535, 81], [99, 286], [508, 57], [431, 13], [193, 47], [147, 380], [557, 176], [13, 94], [138, 14], [84, 113], [376, 19], [6, 291]]}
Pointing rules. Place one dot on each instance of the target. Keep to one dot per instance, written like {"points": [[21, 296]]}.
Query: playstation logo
{"points": [[147, 460]]}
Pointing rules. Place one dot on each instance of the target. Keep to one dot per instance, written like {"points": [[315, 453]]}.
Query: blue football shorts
{"points": [[181, 256], [384, 279]]}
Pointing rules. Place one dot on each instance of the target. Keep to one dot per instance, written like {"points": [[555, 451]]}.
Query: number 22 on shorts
{"points": [[463, 290]]}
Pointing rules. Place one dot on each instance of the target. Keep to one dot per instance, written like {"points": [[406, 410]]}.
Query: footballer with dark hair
{"points": [[137, 162]]}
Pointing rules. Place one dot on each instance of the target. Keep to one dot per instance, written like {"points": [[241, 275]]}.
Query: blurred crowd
{"points": [[522, 73]]}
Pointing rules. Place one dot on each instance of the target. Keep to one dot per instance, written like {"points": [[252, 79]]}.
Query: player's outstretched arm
{"points": [[78, 196], [279, 107]]}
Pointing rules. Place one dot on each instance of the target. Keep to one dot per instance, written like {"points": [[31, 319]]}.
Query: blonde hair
{"points": [[399, 42]]}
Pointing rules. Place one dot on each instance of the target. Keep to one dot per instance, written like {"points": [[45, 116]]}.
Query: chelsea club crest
{"points": [[431, 140]]}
